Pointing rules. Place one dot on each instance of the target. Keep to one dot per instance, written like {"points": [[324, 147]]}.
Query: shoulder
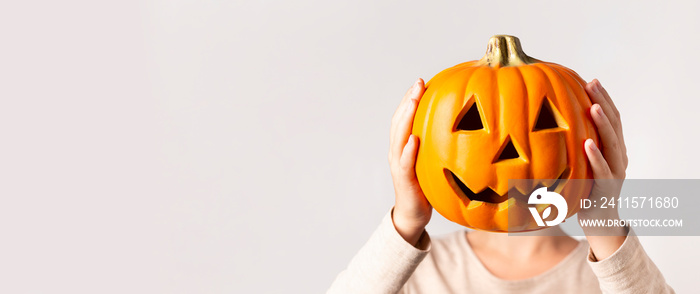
{"points": [[449, 253], [444, 268], [575, 269], [449, 245]]}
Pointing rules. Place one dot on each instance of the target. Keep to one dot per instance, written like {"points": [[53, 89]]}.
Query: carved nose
{"points": [[508, 151]]}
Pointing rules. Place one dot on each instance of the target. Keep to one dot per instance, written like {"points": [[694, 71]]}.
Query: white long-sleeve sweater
{"points": [[388, 264]]}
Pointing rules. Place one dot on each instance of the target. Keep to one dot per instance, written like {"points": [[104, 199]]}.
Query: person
{"points": [[400, 257]]}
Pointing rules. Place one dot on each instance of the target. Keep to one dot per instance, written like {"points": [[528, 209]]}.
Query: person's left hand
{"points": [[609, 165], [609, 161]]}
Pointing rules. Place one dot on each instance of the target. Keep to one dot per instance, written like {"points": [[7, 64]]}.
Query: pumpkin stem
{"points": [[504, 50]]}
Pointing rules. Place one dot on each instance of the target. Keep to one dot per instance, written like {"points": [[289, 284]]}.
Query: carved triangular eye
{"points": [[471, 120], [548, 117]]}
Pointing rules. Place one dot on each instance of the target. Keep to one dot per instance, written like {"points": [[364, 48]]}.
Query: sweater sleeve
{"points": [[383, 264], [628, 270]]}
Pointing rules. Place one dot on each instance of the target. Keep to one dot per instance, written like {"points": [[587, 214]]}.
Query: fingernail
{"points": [[594, 87], [599, 110], [591, 144]]}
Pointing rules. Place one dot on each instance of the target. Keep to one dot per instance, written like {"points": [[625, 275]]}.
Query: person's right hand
{"points": [[412, 210]]}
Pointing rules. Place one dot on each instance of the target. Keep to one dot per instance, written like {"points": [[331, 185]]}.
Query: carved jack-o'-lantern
{"points": [[506, 116]]}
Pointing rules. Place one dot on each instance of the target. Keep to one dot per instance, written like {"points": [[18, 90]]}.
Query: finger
{"points": [[404, 127], [607, 98], [600, 167], [617, 121], [407, 162], [595, 91], [599, 95], [400, 110], [412, 93], [406, 97], [609, 140], [404, 123]]}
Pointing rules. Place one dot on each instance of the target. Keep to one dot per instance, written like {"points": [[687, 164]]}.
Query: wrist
{"points": [[409, 230], [599, 213], [608, 218]]}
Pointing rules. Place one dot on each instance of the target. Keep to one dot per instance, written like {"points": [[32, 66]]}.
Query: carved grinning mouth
{"points": [[490, 196]]}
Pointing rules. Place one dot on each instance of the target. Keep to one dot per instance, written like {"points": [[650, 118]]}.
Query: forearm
{"points": [[618, 259], [627, 270], [384, 263]]}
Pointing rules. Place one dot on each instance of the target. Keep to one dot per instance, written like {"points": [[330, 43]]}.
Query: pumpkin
{"points": [[505, 116]]}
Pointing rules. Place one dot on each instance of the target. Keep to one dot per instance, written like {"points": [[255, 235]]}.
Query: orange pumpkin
{"points": [[506, 116]]}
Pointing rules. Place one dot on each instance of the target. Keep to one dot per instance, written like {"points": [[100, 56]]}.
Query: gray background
{"points": [[240, 146]]}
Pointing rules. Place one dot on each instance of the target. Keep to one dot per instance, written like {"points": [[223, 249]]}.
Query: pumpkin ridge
{"points": [[427, 157], [575, 159]]}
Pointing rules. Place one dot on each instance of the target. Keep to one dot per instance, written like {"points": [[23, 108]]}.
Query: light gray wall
{"points": [[240, 146]]}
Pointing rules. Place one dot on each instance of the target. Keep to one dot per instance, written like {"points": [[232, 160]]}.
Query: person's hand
{"points": [[608, 162], [412, 210]]}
